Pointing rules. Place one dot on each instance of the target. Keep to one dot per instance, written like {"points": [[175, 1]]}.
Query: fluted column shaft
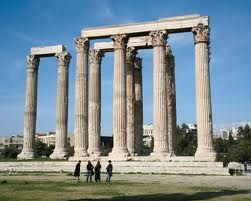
{"points": [[130, 100], [95, 102], [60, 151], [159, 94], [205, 151], [171, 100], [119, 98], [81, 98], [138, 104], [30, 108]]}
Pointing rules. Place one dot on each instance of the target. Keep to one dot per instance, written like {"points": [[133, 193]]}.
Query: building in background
{"points": [[147, 134], [15, 141], [235, 133], [47, 138]]}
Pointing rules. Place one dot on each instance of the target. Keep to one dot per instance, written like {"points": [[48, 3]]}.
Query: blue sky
{"points": [[27, 23]]}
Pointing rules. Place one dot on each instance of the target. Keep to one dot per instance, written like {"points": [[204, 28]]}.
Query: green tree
{"points": [[240, 152], [186, 141], [244, 133], [42, 149], [231, 140], [235, 150], [70, 151], [9, 152]]}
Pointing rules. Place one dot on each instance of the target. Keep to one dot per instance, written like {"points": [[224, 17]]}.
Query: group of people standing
{"points": [[96, 171]]}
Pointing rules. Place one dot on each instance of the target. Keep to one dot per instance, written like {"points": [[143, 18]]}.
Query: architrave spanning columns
{"points": [[172, 25]]}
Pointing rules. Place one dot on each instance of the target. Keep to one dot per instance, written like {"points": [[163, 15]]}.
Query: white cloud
{"points": [[104, 9], [16, 66], [27, 38], [105, 12]]}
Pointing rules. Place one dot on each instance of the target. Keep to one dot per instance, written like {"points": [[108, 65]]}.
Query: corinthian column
{"points": [[60, 151], [130, 99], [205, 151], [119, 150], [159, 94], [95, 102], [171, 100], [138, 104], [81, 99], [30, 108]]}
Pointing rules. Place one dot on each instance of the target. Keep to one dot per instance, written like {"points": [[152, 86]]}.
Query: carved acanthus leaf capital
{"points": [[63, 58], [201, 33], [138, 63], [131, 53], [82, 44], [158, 37], [96, 56], [32, 61], [119, 41]]}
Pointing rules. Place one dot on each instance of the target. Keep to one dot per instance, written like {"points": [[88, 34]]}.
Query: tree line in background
{"points": [[186, 144], [235, 150]]}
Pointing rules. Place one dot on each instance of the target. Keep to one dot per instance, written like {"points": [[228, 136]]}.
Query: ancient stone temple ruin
{"points": [[127, 114]]}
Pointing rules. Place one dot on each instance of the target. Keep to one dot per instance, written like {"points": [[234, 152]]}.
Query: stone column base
{"points": [[119, 155], [205, 154], [133, 154], [160, 155], [59, 155], [94, 154], [75, 158], [172, 154], [80, 153], [29, 154]]}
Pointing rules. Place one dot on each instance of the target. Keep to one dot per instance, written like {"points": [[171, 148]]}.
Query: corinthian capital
{"points": [[63, 58], [82, 44], [32, 61], [130, 53], [119, 41], [201, 33], [138, 63], [158, 37], [96, 56]]}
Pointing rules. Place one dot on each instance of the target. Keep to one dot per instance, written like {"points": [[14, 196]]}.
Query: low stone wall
{"points": [[182, 167]]}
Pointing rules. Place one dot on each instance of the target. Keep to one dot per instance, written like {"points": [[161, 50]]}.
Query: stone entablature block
{"points": [[172, 25], [47, 51]]}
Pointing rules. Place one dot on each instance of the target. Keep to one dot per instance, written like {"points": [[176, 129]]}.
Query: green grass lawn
{"points": [[55, 186]]}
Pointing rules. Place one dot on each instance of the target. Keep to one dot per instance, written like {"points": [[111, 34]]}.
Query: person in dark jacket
{"points": [[109, 171], [90, 172], [97, 171], [77, 171]]}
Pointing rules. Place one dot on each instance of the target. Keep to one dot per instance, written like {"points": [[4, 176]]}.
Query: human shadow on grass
{"points": [[172, 196]]}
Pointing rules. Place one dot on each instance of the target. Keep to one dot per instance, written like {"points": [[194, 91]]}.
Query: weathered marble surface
{"points": [[47, 50], [183, 167], [173, 25]]}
